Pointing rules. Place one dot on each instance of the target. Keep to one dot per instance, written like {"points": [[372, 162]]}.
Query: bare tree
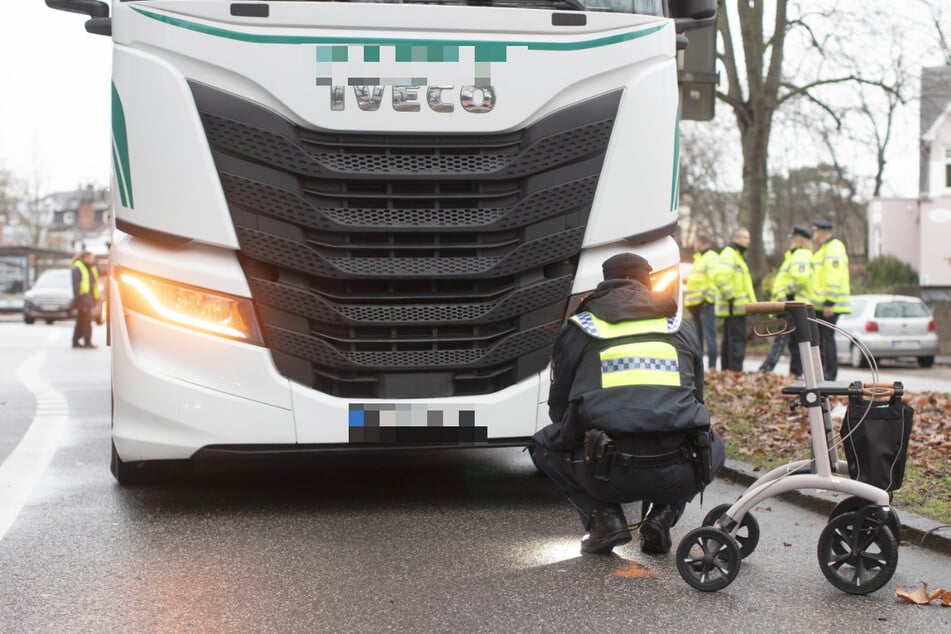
{"points": [[828, 188], [705, 189], [759, 88], [33, 213], [935, 9], [6, 196]]}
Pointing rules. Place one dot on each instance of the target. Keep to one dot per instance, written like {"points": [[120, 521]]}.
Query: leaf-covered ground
{"points": [[759, 427]]}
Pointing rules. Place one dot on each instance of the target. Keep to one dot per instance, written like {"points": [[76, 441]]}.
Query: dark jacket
{"points": [[576, 398]]}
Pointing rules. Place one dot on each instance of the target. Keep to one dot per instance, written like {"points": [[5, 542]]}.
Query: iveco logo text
{"points": [[477, 99]]}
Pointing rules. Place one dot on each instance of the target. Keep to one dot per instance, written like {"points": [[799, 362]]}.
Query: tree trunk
{"points": [[755, 141]]}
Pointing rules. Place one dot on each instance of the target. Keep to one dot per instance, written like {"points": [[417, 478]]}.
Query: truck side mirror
{"points": [[697, 76], [696, 9], [99, 22], [691, 14]]}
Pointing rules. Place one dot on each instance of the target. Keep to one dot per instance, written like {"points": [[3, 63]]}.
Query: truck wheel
{"points": [[28, 319], [926, 362]]}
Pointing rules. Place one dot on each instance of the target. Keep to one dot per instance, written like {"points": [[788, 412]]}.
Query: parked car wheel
{"points": [[28, 319], [856, 358], [926, 362]]}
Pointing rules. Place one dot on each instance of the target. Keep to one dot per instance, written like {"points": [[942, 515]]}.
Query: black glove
{"points": [[730, 301]]}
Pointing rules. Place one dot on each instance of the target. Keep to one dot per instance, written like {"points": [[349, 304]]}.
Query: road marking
{"points": [[22, 469]]}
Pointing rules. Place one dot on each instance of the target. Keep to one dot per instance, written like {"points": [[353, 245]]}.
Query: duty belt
{"points": [[639, 461]]}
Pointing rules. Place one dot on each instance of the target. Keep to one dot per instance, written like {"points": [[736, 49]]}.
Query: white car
{"points": [[892, 326]]}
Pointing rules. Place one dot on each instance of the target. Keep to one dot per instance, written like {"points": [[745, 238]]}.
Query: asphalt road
{"points": [[471, 540]]}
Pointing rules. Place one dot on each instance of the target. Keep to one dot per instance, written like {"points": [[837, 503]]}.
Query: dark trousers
{"points": [[673, 485], [733, 347], [82, 330], [775, 352], [705, 323], [780, 343], [830, 362], [795, 358]]}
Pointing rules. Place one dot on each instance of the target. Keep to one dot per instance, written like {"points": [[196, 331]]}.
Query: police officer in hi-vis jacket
{"points": [[734, 291], [626, 401], [85, 297], [793, 282], [701, 295], [832, 291]]}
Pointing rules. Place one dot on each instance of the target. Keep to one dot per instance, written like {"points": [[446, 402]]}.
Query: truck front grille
{"points": [[396, 265]]}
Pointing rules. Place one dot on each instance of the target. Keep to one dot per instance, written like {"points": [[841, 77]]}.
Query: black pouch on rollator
{"points": [[876, 447]]}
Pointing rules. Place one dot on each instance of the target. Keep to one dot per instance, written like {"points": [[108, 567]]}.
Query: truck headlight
{"points": [[188, 306], [666, 280]]}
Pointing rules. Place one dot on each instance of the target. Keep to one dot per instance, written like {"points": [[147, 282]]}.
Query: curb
{"points": [[916, 530]]}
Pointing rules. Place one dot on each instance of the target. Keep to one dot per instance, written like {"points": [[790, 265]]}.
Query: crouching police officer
{"points": [[626, 399]]}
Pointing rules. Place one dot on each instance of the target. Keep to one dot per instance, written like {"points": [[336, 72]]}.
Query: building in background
{"points": [[67, 221], [45, 232], [81, 218], [918, 230]]}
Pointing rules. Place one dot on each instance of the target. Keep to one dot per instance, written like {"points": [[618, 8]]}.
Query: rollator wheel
{"points": [[851, 504], [858, 559], [746, 536], [708, 558]]}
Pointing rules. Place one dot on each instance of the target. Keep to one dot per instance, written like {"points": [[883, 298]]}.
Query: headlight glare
{"points": [[187, 306], [666, 280]]}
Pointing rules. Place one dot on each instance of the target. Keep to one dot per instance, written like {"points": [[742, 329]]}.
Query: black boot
{"points": [[655, 530], [608, 528]]}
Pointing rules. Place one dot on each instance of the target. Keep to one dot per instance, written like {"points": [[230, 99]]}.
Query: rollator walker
{"points": [[858, 548]]}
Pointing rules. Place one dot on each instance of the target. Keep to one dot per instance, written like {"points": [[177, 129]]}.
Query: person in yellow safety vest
{"points": [[793, 282], [626, 404], [701, 295], [734, 291], [85, 297], [832, 291]]}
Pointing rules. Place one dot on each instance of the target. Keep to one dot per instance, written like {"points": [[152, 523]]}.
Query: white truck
{"points": [[345, 225]]}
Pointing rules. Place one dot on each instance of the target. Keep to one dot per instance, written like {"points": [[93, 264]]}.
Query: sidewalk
{"points": [[916, 529]]}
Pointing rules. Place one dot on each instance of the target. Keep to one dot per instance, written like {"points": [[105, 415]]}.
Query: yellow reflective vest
{"points": [[629, 377], [733, 283], [795, 277], [633, 363], [701, 283], [832, 286], [88, 279]]}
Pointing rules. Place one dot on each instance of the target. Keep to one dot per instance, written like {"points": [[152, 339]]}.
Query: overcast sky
{"points": [[54, 102], [54, 97]]}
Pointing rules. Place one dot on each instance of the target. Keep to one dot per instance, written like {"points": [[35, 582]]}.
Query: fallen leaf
{"points": [[787, 544], [919, 596], [632, 569], [944, 597]]}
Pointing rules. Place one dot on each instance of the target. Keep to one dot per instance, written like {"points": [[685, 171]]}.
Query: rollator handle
{"points": [[771, 308]]}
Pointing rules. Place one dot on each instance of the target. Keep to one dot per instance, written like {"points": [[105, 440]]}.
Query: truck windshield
{"points": [[646, 7]]}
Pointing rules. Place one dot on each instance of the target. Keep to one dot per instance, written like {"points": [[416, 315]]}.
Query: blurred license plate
{"points": [[905, 344]]}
